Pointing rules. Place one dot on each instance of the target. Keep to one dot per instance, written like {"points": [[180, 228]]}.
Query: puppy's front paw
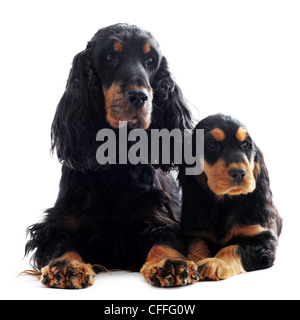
{"points": [[214, 269]]}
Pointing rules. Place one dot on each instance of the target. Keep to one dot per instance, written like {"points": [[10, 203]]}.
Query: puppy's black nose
{"points": [[237, 174], [137, 98]]}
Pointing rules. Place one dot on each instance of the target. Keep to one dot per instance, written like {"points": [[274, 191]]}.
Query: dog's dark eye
{"points": [[245, 144], [213, 145], [110, 58], [149, 60]]}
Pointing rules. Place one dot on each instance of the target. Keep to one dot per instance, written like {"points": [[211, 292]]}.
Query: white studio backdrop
{"points": [[236, 57]]}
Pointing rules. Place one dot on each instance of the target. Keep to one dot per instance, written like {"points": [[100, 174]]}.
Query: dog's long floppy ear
{"points": [[261, 174], [78, 115], [170, 109]]}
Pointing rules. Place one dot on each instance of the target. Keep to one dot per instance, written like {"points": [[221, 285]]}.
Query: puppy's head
{"points": [[126, 60], [230, 165]]}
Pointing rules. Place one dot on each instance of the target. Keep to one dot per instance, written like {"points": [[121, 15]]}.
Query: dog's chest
{"points": [[229, 224]]}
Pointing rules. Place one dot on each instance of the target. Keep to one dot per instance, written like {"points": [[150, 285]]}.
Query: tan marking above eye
{"points": [[218, 134], [146, 48], [118, 47], [241, 134]]}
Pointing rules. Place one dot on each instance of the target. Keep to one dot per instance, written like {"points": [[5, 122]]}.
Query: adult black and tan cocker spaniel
{"points": [[228, 215], [119, 216]]}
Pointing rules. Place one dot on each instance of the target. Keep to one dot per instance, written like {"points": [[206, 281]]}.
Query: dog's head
{"points": [[120, 76], [126, 61], [231, 158]]}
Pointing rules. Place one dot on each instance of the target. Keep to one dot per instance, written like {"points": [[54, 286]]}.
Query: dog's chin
{"points": [[117, 117], [235, 190], [135, 122], [139, 123]]}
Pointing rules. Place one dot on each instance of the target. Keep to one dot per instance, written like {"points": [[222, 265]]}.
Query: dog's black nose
{"points": [[237, 174], [137, 98]]}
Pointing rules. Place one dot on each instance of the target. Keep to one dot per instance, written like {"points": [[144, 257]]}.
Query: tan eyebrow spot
{"points": [[218, 134], [118, 47], [146, 48], [241, 134]]}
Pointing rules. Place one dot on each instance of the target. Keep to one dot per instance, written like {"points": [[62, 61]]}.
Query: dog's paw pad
{"points": [[65, 274], [170, 273]]}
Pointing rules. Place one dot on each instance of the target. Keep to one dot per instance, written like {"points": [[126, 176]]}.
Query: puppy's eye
{"points": [[110, 58], [245, 144], [149, 60], [213, 145]]}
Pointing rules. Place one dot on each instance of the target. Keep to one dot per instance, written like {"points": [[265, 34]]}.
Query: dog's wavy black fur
{"points": [[111, 214], [228, 214]]}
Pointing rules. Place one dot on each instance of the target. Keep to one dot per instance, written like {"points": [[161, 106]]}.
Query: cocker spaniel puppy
{"points": [[119, 216], [228, 215]]}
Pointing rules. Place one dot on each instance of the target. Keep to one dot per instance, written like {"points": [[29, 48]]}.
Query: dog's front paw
{"points": [[66, 274], [170, 273], [214, 269]]}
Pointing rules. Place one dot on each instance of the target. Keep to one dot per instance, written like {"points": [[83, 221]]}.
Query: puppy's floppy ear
{"points": [[261, 172], [170, 109], [74, 129]]}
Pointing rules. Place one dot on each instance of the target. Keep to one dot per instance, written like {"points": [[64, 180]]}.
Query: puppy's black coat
{"points": [[228, 213]]}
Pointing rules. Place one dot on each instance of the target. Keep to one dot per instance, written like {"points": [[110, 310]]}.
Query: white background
{"points": [[236, 57]]}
